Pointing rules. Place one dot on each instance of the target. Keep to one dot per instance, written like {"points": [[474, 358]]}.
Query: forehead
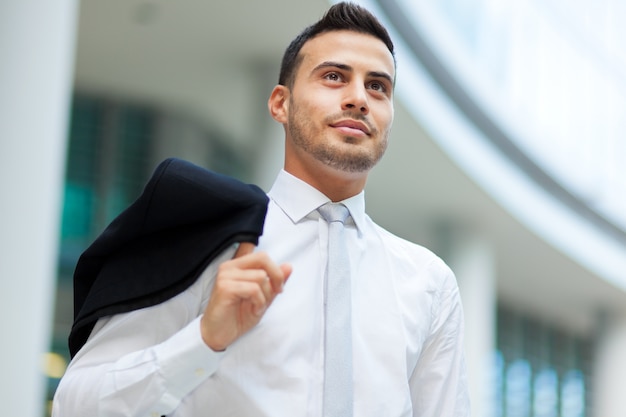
{"points": [[358, 50]]}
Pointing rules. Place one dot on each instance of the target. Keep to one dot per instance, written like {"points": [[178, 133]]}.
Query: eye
{"points": [[378, 86], [332, 76]]}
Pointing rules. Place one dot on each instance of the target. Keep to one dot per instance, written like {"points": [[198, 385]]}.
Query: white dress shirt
{"points": [[407, 334]]}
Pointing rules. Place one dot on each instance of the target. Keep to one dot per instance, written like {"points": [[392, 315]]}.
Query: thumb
{"points": [[286, 269], [244, 249]]}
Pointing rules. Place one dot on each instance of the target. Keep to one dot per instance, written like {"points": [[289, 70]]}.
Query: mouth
{"points": [[352, 127]]}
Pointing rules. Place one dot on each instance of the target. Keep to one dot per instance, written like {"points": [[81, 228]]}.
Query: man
{"points": [[248, 338]]}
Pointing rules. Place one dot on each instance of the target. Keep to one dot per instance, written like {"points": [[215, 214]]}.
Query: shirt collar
{"points": [[298, 199]]}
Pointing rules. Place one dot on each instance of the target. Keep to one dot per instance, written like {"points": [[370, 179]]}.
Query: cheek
{"points": [[385, 118], [311, 113]]}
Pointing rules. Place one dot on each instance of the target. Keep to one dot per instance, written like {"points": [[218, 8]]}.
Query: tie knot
{"points": [[334, 212]]}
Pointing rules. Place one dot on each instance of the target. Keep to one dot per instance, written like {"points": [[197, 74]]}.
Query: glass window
{"points": [[541, 371]]}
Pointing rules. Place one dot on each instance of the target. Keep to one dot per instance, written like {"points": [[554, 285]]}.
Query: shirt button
{"points": [[199, 372]]}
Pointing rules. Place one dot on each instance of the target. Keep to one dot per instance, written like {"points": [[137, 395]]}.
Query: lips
{"points": [[351, 125]]}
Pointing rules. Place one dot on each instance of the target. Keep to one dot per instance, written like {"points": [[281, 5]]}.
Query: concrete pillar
{"points": [[472, 259], [36, 51], [610, 368]]}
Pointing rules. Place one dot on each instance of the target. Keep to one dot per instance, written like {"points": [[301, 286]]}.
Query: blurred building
{"points": [[505, 159]]}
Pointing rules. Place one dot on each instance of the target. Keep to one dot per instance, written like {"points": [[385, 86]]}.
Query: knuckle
{"points": [[220, 285], [260, 295], [223, 267], [263, 256]]}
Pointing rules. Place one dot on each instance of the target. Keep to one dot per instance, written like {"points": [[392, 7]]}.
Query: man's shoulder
{"points": [[415, 260], [402, 246]]}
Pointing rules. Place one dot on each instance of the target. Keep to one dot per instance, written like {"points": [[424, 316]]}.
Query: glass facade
{"points": [[551, 74], [540, 371], [107, 165]]}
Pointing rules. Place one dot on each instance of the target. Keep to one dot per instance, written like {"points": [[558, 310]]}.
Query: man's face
{"points": [[340, 107]]}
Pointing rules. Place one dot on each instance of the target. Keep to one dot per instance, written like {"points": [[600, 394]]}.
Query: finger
{"points": [[244, 249], [259, 277], [287, 269], [268, 291], [248, 291], [260, 260], [281, 277], [254, 294], [256, 276]]}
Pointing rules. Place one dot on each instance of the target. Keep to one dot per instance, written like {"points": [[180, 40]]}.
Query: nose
{"points": [[356, 98]]}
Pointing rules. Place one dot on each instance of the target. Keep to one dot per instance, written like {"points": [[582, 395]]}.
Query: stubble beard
{"points": [[303, 133]]}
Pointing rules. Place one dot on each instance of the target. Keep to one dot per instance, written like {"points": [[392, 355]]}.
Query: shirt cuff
{"points": [[185, 361]]}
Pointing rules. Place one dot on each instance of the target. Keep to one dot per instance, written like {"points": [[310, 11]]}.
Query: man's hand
{"points": [[244, 288]]}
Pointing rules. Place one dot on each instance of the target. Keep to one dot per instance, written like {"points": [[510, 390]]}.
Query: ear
{"points": [[278, 104]]}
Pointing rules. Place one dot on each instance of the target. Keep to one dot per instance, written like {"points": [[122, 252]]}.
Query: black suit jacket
{"points": [[161, 243]]}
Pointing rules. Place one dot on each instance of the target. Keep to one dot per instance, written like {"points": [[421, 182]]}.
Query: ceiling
{"points": [[187, 55]]}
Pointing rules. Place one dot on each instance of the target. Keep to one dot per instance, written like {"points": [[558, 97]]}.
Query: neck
{"points": [[334, 184]]}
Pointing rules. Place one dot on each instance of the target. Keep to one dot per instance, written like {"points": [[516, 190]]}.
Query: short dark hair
{"points": [[341, 16]]}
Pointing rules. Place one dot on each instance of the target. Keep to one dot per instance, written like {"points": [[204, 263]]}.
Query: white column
{"points": [[610, 368], [267, 133], [36, 51], [472, 260]]}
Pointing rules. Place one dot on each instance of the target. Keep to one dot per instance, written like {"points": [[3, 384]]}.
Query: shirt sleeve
{"points": [[142, 363], [439, 382]]}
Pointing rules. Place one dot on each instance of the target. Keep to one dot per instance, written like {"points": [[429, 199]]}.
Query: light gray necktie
{"points": [[338, 394]]}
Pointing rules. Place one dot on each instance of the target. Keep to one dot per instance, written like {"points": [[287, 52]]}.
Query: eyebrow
{"points": [[331, 64]]}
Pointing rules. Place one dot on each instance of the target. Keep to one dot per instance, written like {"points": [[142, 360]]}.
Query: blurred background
{"points": [[506, 158]]}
